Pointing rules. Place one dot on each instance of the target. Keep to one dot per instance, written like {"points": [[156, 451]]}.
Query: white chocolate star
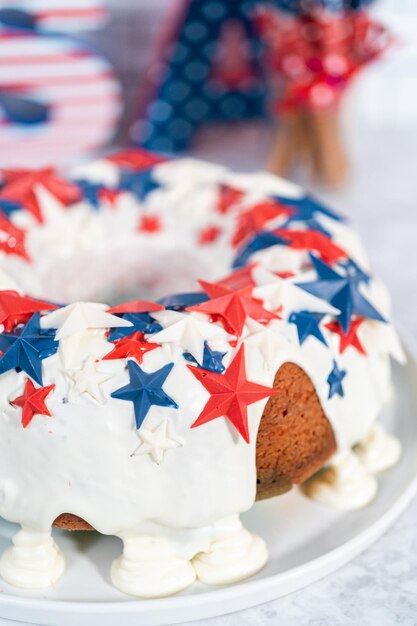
{"points": [[157, 441], [88, 380], [275, 292], [187, 330], [267, 339], [280, 258], [81, 316]]}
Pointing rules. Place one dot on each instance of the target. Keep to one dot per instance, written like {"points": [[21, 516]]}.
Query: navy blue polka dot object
{"points": [[212, 69]]}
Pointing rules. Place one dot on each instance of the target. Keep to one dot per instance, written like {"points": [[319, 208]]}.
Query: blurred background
{"points": [[78, 77]]}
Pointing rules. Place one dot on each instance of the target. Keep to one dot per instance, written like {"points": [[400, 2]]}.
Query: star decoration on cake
{"points": [[342, 291], [267, 341], [26, 348], [17, 309], [230, 394], [156, 442], [232, 307], [212, 359], [254, 219], [136, 159], [307, 324], [13, 239], [335, 380], [32, 402], [181, 301], [351, 337], [145, 390], [282, 293], [239, 279], [95, 193], [187, 331], [262, 240], [88, 379], [136, 306], [313, 241], [306, 209], [140, 183], [138, 322], [134, 345], [21, 185], [228, 197], [80, 316]]}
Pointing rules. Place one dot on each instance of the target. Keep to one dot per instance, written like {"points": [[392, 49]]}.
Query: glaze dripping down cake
{"points": [[162, 418]]}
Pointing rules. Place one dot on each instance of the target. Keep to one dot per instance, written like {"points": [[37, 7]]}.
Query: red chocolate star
{"points": [[351, 337], [136, 160], [149, 224], [254, 219], [32, 402], [133, 345], [137, 306], [239, 278], [313, 240], [16, 309], [20, 186], [232, 307], [228, 197], [209, 235], [230, 394], [14, 241]]}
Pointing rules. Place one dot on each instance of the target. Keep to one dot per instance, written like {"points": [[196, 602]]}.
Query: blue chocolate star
{"points": [[342, 291], [139, 183], [141, 322], [335, 381], [307, 324], [181, 301], [145, 390], [212, 360], [263, 239], [25, 349]]}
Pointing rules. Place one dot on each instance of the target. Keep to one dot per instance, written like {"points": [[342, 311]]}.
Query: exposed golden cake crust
{"points": [[295, 437]]}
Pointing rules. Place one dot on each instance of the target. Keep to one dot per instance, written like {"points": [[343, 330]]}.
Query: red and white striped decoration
{"points": [[61, 15], [79, 88]]}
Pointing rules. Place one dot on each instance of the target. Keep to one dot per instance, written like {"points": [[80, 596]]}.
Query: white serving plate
{"points": [[306, 542]]}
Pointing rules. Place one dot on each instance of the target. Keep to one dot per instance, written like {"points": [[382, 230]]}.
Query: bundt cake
{"points": [[161, 419]]}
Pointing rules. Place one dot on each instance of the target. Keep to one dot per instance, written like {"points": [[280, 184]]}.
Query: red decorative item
{"points": [[137, 306], [228, 197], [230, 394], [351, 337], [314, 241], [134, 345], [16, 309], [253, 220], [14, 241], [209, 235], [232, 307], [149, 224], [20, 187], [239, 279], [314, 55], [136, 160], [32, 402]]}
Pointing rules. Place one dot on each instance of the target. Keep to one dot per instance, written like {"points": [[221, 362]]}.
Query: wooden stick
{"points": [[330, 161]]}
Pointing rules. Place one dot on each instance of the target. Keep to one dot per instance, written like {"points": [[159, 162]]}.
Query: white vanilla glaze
{"points": [[345, 484], [90, 460], [379, 450], [33, 562]]}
